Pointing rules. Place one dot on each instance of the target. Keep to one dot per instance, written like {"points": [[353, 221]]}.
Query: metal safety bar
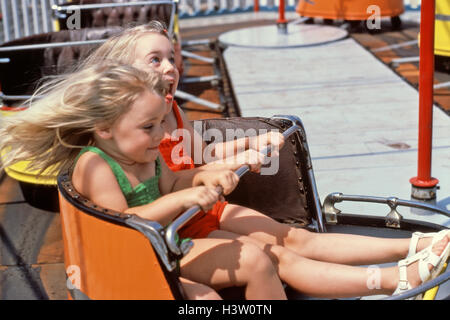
{"points": [[189, 43], [178, 94], [203, 102], [5, 97], [192, 8], [153, 231], [18, 21], [201, 79], [442, 85], [396, 46], [422, 288], [110, 5], [188, 54], [69, 7], [51, 45], [171, 231], [404, 60], [393, 218]]}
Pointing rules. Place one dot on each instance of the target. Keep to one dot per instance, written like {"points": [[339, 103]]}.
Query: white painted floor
{"points": [[353, 107]]}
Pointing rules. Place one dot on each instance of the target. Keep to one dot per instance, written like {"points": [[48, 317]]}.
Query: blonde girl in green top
{"points": [[106, 122], [116, 111]]}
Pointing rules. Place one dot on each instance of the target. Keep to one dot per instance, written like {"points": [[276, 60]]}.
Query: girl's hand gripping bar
{"points": [[171, 231]]}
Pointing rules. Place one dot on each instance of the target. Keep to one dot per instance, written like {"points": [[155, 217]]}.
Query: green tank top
{"points": [[144, 193]]}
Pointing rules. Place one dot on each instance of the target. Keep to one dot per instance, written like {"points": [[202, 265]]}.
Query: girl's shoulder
{"points": [[90, 168], [93, 177]]}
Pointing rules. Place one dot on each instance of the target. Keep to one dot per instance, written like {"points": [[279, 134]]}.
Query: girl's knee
{"points": [[198, 291], [298, 238], [256, 261]]}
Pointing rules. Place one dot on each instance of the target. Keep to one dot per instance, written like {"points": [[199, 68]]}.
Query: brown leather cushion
{"points": [[285, 196], [121, 16], [22, 74]]}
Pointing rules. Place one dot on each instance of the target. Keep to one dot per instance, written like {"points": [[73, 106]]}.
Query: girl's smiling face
{"points": [[135, 136], [155, 52]]}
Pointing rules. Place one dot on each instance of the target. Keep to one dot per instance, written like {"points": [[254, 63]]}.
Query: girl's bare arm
{"points": [[94, 179]]}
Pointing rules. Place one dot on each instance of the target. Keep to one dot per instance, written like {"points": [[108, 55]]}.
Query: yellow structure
{"points": [[442, 28], [19, 171]]}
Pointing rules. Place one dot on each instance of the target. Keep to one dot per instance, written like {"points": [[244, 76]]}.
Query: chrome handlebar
{"points": [[172, 229]]}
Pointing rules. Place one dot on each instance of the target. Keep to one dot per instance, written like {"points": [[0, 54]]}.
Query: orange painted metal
{"points": [[349, 9], [107, 261]]}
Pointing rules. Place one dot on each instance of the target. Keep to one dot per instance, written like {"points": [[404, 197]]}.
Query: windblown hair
{"points": [[121, 47], [50, 133]]}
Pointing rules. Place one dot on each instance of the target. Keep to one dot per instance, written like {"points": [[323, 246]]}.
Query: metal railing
{"points": [[198, 8], [21, 18]]}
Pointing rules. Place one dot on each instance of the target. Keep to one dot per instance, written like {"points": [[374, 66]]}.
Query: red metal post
{"points": [[426, 69], [281, 18], [256, 5], [281, 22]]}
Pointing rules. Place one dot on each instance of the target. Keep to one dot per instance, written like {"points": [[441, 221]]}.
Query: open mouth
{"points": [[172, 87], [171, 91], [169, 98]]}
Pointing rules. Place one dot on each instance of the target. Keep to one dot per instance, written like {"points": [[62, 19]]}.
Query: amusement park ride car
{"points": [[96, 238]]}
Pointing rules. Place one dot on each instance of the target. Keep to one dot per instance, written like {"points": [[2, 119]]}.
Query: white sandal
{"points": [[416, 236], [424, 257]]}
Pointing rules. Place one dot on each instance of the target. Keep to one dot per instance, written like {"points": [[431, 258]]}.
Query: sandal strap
{"points": [[416, 236], [424, 272], [424, 257], [439, 236], [403, 283]]}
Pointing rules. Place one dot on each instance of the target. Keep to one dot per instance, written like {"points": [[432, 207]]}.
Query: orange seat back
{"points": [[106, 260]]}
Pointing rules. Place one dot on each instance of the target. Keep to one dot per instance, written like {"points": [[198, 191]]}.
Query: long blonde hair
{"points": [[51, 131], [121, 46]]}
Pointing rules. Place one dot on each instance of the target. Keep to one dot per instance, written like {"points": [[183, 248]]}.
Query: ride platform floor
{"points": [[347, 159], [360, 113]]}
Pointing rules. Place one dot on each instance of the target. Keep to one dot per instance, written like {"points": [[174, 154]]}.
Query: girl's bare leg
{"points": [[329, 247], [198, 291], [324, 279], [221, 263]]}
